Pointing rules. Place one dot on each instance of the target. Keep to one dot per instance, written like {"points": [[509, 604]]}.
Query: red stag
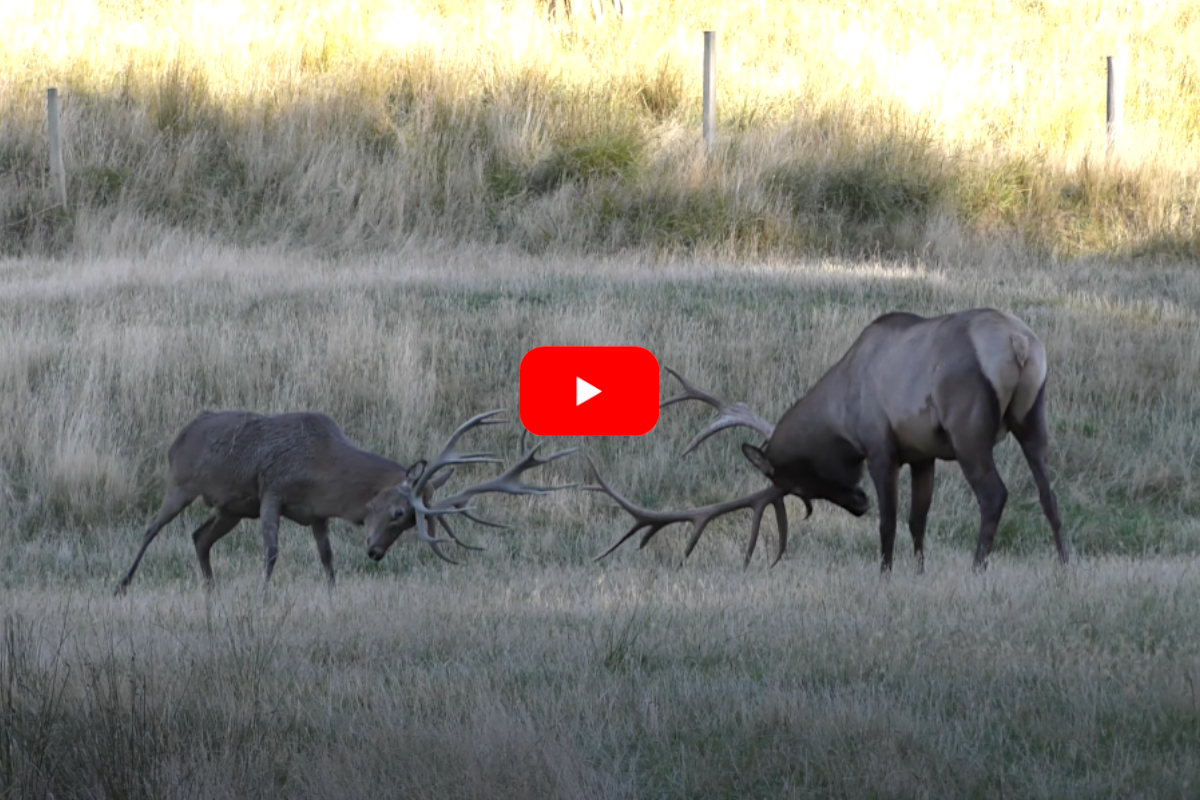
{"points": [[302, 467]]}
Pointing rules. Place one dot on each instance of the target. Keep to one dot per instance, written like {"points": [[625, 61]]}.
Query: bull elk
{"points": [[302, 467], [910, 390]]}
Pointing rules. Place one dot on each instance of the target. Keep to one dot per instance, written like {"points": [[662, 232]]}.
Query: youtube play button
{"points": [[589, 391]]}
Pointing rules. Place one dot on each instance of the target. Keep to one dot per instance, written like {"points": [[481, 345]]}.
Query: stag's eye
{"points": [[397, 513]]}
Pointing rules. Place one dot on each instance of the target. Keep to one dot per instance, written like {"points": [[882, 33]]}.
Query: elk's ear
{"points": [[414, 472], [758, 458]]}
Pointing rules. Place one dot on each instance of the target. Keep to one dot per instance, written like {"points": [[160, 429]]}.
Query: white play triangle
{"points": [[584, 391]]}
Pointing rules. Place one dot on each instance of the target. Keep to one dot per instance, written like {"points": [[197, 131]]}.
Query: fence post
{"points": [[710, 90], [1114, 111], [58, 176]]}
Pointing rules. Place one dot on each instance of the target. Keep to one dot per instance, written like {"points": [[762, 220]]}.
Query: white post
{"points": [[58, 176], [710, 90], [1114, 114]]}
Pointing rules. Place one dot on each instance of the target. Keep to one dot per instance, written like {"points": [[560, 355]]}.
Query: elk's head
{"points": [[801, 478]]}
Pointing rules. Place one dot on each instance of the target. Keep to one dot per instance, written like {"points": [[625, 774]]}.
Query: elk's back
{"points": [[924, 374]]}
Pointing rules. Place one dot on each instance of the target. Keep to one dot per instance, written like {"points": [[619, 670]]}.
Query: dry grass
{"points": [[344, 126], [615, 681], [531, 672]]}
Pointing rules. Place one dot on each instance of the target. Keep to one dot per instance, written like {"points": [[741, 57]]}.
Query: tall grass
{"points": [[529, 671], [904, 127]]}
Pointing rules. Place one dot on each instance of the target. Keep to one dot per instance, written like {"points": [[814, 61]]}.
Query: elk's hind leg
{"points": [[972, 429], [918, 514], [176, 500], [320, 530], [1034, 437], [209, 533]]}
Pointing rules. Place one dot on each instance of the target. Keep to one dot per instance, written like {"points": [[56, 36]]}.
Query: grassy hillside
{"points": [[915, 127]]}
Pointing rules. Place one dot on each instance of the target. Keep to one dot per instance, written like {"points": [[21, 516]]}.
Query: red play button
{"points": [[589, 391]]}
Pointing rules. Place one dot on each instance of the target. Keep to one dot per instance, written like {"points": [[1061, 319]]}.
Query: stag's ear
{"points": [[415, 471], [758, 458]]}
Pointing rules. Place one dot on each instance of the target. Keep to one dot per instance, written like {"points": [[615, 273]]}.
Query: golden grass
{"points": [[344, 125]]}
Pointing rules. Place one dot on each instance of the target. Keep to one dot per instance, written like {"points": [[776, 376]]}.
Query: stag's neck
{"points": [[355, 478]]}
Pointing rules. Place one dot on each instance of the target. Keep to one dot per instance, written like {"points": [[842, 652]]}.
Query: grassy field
{"points": [[530, 671]]}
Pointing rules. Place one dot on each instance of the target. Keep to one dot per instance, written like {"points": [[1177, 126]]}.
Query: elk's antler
{"points": [[654, 521], [730, 415]]}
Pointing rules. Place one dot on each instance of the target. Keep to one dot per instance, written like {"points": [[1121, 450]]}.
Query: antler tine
{"points": [[654, 521], [730, 415], [506, 482], [450, 532], [433, 542], [448, 457], [690, 392], [466, 512]]}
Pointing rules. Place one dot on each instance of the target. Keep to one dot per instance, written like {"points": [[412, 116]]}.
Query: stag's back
{"points": [[230, 457]]}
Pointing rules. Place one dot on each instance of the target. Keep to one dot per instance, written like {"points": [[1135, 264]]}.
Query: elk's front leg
{"points": [[885, 476]]}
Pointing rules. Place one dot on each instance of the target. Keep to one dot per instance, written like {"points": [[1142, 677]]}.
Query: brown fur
{"points": [[297, 465], [910, 391]]}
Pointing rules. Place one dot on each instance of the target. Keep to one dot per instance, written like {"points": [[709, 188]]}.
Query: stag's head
{"points": [[411, 502], [801, 478], [390, 513]]}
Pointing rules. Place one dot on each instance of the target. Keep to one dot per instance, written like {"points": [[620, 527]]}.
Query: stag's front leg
{"points": [[885, 475], [269, 511], [918, 515], [320, 530]]}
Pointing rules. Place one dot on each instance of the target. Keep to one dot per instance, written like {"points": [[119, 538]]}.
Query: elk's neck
{"points": [[817, 422]]}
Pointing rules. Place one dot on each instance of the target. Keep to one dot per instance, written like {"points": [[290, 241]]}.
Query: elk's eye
{"points": [[397, 513]]}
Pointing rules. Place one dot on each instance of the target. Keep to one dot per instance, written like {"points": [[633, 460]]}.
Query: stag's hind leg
{"points": [[1034, 437], [269, 511], [176, 500], [209, 533]]}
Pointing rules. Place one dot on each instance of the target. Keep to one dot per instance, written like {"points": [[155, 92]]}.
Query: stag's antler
{"points": [[430, 513], [448, 458], [730, 416]]}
